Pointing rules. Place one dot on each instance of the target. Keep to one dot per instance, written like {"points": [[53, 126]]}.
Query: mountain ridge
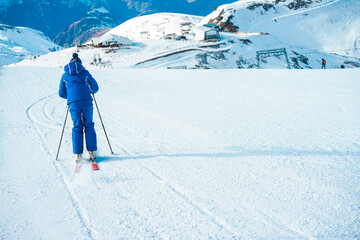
{"points": [[48, 16], [95, 21]]}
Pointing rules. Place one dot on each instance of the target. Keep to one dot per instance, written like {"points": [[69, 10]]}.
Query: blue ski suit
{"points": [[76, 85]]}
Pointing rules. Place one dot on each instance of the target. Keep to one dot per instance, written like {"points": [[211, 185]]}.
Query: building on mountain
{"points": [[212, 26], [212, 35], [206, 34], [110, 40]]}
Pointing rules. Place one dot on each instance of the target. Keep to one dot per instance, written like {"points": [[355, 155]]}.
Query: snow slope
{"points": [[199, 154], [17, 43], [154, 26], [326, 25]]}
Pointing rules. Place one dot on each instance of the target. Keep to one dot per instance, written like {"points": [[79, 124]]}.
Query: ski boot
{"points": [[78, 162], [94, 166]]}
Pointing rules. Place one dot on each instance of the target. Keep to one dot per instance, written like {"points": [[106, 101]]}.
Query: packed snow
{"points": [[199, 154]]}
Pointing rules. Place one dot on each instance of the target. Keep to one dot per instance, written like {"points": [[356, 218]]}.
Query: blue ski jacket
{"points": [[76, 83]]}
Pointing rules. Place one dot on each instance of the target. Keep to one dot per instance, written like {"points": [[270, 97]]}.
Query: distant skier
{"points": [[323, 63], [76, 86]]}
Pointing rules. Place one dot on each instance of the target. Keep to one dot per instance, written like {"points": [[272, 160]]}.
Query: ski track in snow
{"points": [[43, 104], [83, 216], [182, 193], [217, 220], [221, 223]]}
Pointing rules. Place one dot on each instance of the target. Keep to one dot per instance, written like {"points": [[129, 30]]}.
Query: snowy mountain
{"points": [[250, 28], [51, 17], [17, 43], [155, 26], [324, 25], [151, 49], [198, 7], [95, 21], [47, 16]]}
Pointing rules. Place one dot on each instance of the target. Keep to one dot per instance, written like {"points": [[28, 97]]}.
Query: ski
{"points": [[77, 167], [94, 165]]}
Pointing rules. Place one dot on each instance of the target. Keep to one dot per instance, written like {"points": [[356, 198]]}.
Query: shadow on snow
{"points": [[272, 152]]}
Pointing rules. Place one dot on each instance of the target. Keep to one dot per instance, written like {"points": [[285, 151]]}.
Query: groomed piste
{"points": [[199, 154]]}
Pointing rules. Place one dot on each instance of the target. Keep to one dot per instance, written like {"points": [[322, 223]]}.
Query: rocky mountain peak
{"points": [[95, 21]]}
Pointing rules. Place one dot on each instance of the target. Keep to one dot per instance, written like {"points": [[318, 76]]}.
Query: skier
{"points": [[76, 85], [323, 64]]}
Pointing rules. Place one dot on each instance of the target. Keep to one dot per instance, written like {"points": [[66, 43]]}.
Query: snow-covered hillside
{"points": [[154, 26], [325, 25], [17, 43], [199, 154]]}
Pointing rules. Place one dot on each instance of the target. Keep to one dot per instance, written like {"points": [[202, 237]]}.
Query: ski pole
{"points": [[62, 133], [102, 123]]}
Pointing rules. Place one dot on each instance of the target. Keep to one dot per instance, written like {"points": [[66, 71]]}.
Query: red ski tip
{"points": [[94, 166]]}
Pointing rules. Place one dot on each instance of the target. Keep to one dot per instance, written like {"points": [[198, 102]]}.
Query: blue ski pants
{"points": [[82, 116]]}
